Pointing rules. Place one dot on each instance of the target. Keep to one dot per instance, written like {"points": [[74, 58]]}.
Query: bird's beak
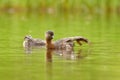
{"points": [[52, 37]]}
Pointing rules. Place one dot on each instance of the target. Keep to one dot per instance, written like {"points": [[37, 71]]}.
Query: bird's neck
{"points": [[49, 44]]}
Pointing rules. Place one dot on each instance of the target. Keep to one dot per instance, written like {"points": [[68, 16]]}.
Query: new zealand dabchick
{"points": [[64, 43]]}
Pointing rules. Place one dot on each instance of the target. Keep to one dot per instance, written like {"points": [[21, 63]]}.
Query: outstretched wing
{"points": [[76, 38], [63, 43]]}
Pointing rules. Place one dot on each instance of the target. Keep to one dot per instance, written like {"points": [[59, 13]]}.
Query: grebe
{"points": [[64, 43], [30, 43]]}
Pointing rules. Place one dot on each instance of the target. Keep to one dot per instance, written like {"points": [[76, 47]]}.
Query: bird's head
{"points": [[49, 35]]}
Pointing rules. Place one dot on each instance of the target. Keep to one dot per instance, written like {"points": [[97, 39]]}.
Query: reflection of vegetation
{"points": [[50, 6]]}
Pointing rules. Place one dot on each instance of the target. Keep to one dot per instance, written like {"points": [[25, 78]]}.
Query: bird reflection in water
{"points": [[49, 55], [66, 54], [71, 54]]}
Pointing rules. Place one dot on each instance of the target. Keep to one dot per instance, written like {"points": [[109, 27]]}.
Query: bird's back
{"points": [[63, 44]]}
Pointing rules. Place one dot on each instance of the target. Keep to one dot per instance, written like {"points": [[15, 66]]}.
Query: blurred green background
{"points": [[61, 6], [96, 20]]}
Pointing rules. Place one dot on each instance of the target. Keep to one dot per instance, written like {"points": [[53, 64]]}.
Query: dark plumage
{"points": [[65, 43]]}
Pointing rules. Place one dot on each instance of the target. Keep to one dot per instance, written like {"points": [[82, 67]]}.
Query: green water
{"points": [[102, 63]]}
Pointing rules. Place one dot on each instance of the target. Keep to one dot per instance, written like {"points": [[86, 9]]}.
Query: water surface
{"points": [[101, 63]]}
